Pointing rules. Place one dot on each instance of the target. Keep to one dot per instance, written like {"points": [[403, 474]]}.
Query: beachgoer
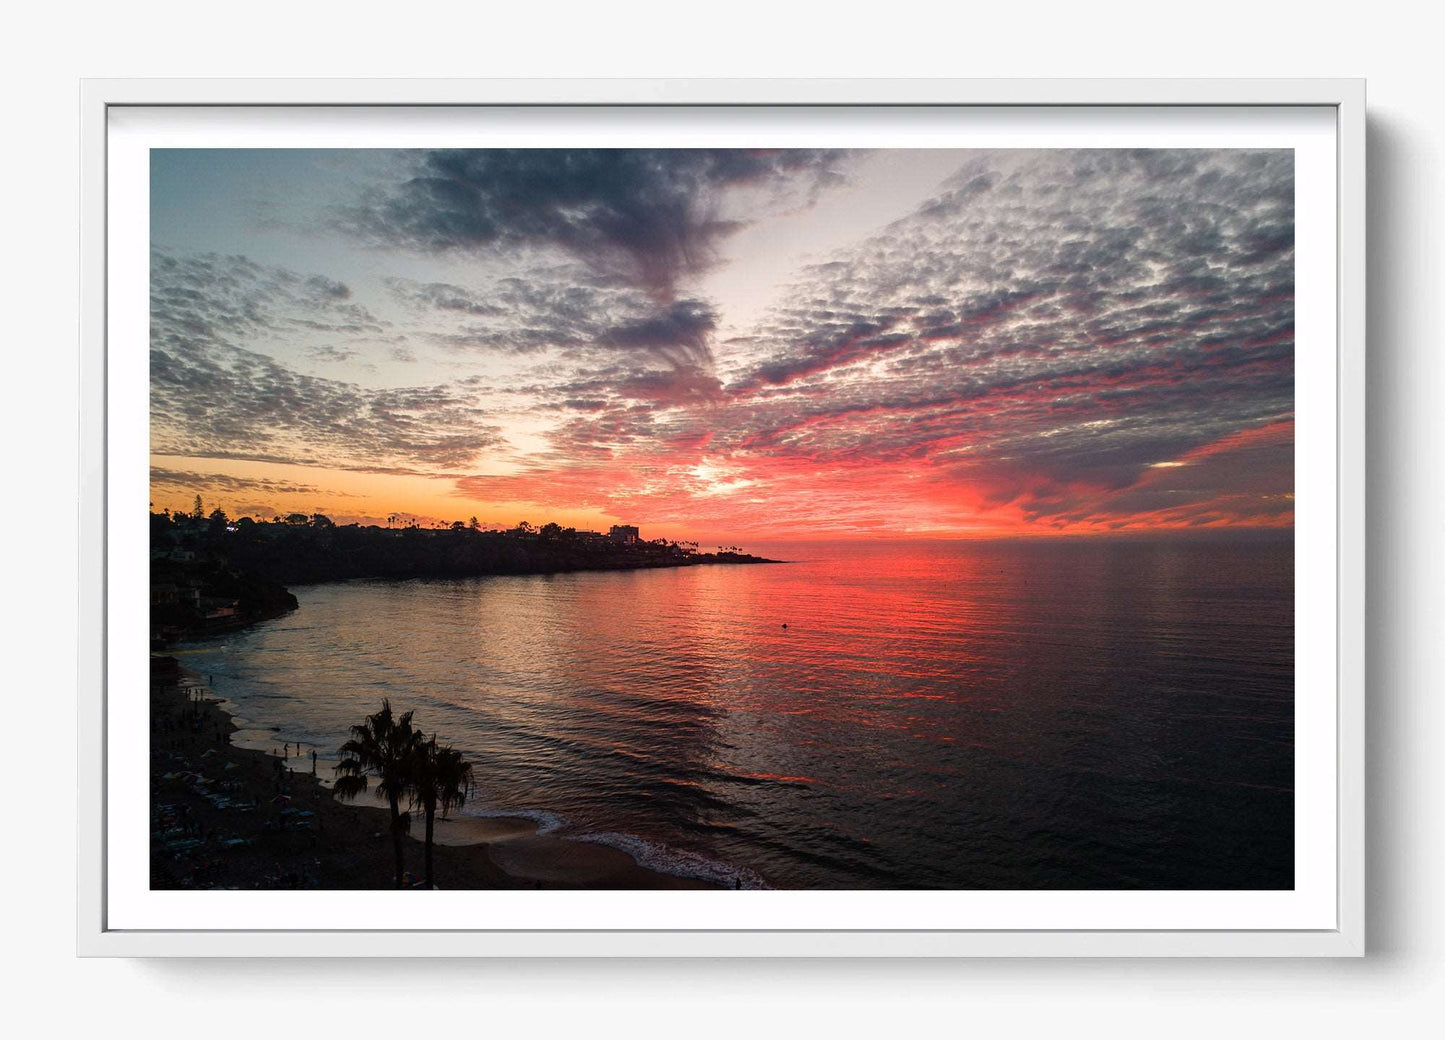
{"points": [[313, 761]]}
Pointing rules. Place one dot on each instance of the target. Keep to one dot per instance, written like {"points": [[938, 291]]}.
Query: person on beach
{"points": [[313, 761]]}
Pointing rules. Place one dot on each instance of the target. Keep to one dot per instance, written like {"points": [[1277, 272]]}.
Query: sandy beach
{"points": [[224, 815]]}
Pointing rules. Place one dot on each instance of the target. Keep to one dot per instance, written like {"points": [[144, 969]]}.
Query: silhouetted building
{"points": [[624, 533]]}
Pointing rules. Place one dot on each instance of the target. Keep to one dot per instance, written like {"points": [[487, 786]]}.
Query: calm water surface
{"points": [[1061, 714]]}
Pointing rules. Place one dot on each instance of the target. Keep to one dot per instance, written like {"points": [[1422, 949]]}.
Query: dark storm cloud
{"points": [[651, 215], [212, 395]]}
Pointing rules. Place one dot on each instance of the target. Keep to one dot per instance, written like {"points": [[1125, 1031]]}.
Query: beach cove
{"points": [[229, 816]]}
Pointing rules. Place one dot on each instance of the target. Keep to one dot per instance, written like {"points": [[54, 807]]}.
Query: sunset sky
{"points": [[728, 344]]}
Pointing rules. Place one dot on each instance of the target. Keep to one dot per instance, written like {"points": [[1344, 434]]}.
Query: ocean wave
{"points": [[678, 862], [665, 859], [547, 822]]}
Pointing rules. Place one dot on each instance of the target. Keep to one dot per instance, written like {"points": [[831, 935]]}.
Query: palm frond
{"points": [[349, 787], [439, 777]]}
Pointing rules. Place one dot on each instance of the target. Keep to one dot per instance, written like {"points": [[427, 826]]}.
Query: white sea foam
{"points": [[678, 862], [653, 855], [546, 822]]}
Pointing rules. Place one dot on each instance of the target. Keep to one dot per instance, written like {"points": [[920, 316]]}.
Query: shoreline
{"points": [[180, 629], [227, 816], [553, 573]]}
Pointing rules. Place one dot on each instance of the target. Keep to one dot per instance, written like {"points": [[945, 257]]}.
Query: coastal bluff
{"points": [[212, 575]]}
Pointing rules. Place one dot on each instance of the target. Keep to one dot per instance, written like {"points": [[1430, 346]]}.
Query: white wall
{"points": [[49, 47]]}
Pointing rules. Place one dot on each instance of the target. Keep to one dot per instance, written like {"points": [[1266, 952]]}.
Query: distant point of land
{"points": [[210, 574]]}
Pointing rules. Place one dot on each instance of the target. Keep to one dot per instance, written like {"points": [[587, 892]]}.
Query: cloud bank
{"points": [[1066, 340], [651, 216], [214, 395], [1024, 349]]}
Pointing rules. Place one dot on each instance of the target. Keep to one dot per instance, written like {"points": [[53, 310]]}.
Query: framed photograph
{"points": [[722, 518]]}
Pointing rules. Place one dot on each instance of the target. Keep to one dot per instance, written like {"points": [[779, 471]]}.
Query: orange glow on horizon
{"points": [[686, 496]]}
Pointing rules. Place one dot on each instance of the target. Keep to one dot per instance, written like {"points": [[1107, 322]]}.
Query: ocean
{"points": [[1106, 713]]}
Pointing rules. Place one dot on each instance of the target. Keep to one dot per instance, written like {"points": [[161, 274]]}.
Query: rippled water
{"points": [[1025, 714]]}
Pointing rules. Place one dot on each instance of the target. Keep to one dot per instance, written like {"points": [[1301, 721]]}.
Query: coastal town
{"points": [[211, 573], [227, 816]]}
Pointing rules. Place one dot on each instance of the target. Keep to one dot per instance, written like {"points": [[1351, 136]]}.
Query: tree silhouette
{"points": [[440, 778], [385, 746]]}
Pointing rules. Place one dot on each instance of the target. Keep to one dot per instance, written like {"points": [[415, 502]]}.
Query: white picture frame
{"points": [[96, 936]]}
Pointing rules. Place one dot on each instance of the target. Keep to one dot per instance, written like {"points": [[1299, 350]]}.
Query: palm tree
{"points": [[440, 777], [384, 745]]}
